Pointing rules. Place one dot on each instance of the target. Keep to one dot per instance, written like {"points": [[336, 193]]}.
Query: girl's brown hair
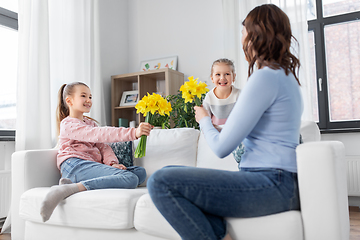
{"points": [[62, 110], [268, 40]]}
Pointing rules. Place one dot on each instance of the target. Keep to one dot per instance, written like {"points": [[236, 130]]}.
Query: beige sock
{"points": [[54, 196]]}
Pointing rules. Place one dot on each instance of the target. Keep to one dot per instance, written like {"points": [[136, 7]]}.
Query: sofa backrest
{"points": [[165, 147], [188, 147], [207, 159]]}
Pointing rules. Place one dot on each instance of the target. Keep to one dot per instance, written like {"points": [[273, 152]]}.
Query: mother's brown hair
{"points": [[268, 40]]}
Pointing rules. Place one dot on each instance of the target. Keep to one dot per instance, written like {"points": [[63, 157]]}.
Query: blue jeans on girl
{"points": [[196, 200], [94, 175]]}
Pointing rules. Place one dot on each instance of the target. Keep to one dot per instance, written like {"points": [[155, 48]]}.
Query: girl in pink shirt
{"points": [[85, 160]]}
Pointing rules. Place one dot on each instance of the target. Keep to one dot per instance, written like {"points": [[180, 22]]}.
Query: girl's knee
{"points": [[141, 173], [127, 180], [132, 180]]}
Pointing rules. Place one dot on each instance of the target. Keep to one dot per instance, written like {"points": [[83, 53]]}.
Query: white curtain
{"points": [[33, 125], [58, 43], [235, 11], [74, 50]]}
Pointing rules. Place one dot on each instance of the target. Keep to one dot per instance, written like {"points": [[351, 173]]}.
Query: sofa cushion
{"points": [[177, 146], [99, 209], [309, 131], [281, 226], [207, 159], [123, 152], [148, 219]]}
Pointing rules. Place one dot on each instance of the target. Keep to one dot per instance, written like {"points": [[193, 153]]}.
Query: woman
{"points": [[266, 118]]}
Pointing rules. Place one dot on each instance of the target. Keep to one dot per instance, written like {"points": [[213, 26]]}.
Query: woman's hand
{"points": [[200, 112], [143, 129], [119, 166]]}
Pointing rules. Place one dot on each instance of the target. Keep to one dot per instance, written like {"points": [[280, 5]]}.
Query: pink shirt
{"points": [[85, 140]]}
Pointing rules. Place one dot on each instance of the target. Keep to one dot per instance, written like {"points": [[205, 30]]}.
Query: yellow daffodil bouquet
{"points": [[153, 107], [192, 90], [190, 94]]}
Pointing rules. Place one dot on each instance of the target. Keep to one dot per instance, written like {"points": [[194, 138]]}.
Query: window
{"points": [[8, 63], [334, 38]]}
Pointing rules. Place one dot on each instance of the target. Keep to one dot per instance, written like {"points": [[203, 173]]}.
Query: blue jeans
{"points": [[196, 200], [94, 175]]}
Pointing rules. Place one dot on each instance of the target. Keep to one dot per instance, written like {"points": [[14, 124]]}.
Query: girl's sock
{"points": [[54, 196], [64, 181]]}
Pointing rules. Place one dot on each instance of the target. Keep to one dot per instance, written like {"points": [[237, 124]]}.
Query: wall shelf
{"points": [[163, 81]]}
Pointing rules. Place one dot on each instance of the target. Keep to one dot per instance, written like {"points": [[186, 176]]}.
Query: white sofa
{"points": [[130, 214]]}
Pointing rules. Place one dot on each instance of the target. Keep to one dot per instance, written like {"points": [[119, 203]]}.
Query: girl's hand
{"points": [[119, 166], [200, 112], [143, 129]]}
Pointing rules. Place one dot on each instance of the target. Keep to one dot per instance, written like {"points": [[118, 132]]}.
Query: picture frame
{"points": [[168, 62], [129, 98]]}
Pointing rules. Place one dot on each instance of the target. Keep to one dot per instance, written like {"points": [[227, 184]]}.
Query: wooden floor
{"points": [[354, 225]]}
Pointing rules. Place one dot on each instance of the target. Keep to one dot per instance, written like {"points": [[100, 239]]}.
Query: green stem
{"points": [[141, 148], [186, 125], [197, 101]]}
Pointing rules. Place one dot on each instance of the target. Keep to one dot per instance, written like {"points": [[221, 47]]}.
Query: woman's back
{"points": [[277, 130]]}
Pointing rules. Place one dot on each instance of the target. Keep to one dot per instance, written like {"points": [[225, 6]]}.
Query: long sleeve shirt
{"points": [[266, 119], [85, 140], [219, 109]]}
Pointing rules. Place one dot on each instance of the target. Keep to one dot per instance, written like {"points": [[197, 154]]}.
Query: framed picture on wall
{"points": [[129, 98], [169, 62]]}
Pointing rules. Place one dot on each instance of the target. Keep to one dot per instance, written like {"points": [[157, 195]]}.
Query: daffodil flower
{"points": [[192, 90], [150, 106]]}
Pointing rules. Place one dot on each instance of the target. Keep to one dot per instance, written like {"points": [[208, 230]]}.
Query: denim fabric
{"points": [[195, 200], [94, 175]]}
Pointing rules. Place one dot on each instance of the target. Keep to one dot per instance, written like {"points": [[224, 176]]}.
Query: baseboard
{"points": [[2, 221], [354, 201]]}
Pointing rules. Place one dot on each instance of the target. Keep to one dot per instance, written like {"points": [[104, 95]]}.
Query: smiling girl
{"points": [[85, 160], [221, 99]]}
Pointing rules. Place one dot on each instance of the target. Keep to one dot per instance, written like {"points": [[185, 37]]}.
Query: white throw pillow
{"points": [[309, 131], [177, 146], [206, 158]]}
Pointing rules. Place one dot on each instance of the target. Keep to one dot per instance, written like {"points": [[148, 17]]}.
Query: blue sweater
{"points": [[266, 118]]}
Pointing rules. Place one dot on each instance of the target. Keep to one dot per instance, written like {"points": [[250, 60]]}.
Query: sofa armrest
{"points": [[323, 190], [30, 169]]}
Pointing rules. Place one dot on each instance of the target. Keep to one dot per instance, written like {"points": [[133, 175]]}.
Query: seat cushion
{"points": [[281, 226], [148, 219], [99, 209]]}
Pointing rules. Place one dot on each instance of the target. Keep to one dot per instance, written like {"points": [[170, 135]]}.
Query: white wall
{"points": [[191, 30], [350, 140], [113, 15]]}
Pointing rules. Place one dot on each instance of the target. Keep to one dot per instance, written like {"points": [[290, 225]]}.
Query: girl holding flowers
{"points": [[266, 118], [220, 101], [85, 160]]}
